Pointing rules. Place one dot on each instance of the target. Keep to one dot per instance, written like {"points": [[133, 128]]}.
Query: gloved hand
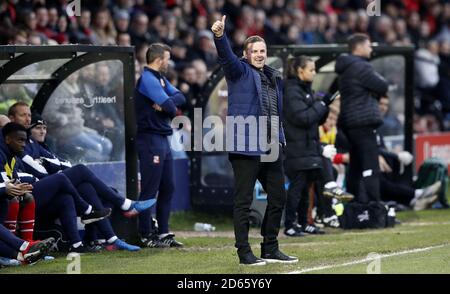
{"points": [[327, 99], [329, 151], [405, 157]]}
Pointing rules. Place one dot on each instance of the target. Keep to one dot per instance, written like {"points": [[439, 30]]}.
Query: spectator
{"points": [[156, 103]]}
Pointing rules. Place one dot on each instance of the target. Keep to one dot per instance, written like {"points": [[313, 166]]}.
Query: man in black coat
{"points": [[361, 87]]}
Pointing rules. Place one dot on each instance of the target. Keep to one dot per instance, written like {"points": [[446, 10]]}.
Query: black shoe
{"points": [[170, 240], [310, 229], [153, 241], [278, 257], [250, 259], [85, 249], [95, 216], [337, 193]]}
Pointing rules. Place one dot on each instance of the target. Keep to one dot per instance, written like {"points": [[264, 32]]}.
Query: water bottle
{"points": [[202, 227]]}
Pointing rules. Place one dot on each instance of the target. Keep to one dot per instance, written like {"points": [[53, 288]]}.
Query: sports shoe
{"points": [[278, 257], [431, 190], [138, 206], [331, 222], [337, 193], [36, 250], [249, 259], [313, 230], [295, 231], [85, 249], [95, 216], [425, 202], [95, 246], [170, 240], [318, 222], [153, 241], [121, 245]]}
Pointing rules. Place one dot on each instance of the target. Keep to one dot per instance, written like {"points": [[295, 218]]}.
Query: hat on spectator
{"points": [[36, 119], [122, 14]]}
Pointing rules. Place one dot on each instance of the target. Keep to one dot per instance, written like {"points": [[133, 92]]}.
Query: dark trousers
{"points": [[156, 167], [248, 169], [103, 226], [80, 174], [364, 172], [298, 195], [9, 243], [324, 208]]}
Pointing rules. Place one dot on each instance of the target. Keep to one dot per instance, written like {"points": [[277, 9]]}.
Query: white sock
{"points": [[24, 246], [112, 239], [78, 244], [331, 185], [88, 210], [126, 204], [20, 257], [417, 193]]}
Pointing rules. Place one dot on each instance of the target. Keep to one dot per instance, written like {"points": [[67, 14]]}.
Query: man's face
{"points": [[164, 62], [16, 142], [256, 54], [22, 116], [383, 105], [39, 132]]}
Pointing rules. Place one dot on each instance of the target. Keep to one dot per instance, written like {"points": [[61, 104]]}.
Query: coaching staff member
{"points": [[361, 87]]}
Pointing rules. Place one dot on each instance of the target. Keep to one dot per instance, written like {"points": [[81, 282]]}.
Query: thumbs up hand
{"points": [[218, 27]]}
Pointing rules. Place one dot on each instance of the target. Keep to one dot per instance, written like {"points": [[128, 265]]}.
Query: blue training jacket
{"points": [[11, 167], [244, 96]]}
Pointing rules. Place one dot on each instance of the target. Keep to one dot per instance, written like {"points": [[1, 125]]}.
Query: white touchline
{"points": [[318, 268]]}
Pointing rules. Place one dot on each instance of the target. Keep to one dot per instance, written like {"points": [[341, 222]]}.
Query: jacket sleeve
{"points": [[177, 97], [373, 81], [299, 113], [2, 178], [231, 64]]}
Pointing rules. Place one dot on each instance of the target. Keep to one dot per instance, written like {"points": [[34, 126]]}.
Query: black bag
{"points": [[434, 169], [362, 216]]}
